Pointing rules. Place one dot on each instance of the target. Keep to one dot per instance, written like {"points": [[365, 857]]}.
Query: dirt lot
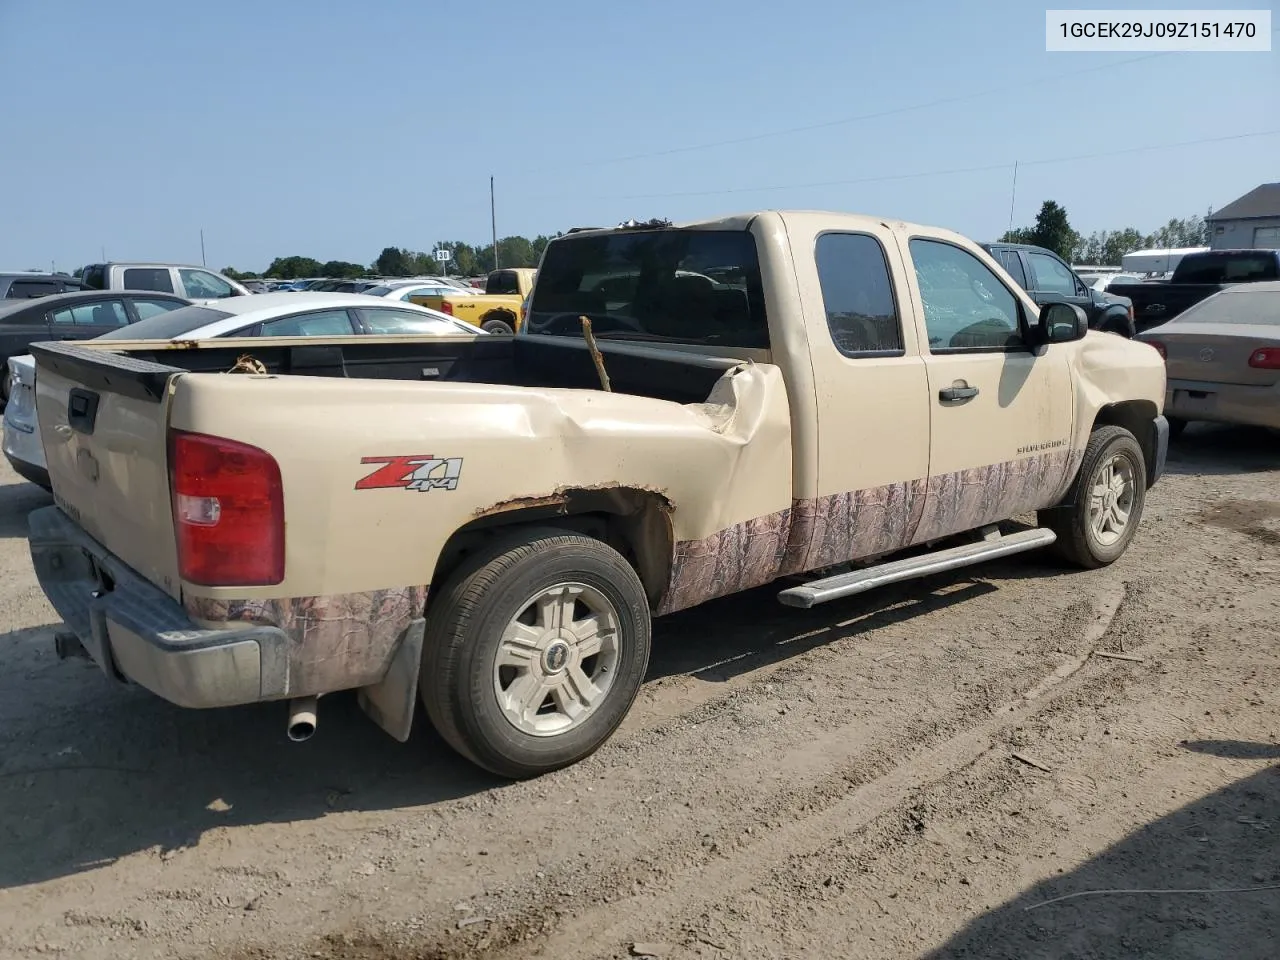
{"points": [[844, 782]]}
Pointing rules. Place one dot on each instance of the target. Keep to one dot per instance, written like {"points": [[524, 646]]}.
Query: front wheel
{"points": [[1100, 514], [535, 651]]}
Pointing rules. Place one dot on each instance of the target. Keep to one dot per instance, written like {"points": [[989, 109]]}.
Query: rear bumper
{"points": [[136, 632], [1223, 403], [23, 450], [29, 471]]}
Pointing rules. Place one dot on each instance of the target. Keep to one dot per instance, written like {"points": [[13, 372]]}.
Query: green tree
{"points": [[1191, 232], [1020, 235], [1118, 243], [1053, 231], [392, 262], [235, 274], [290, 268], [343, 268]]}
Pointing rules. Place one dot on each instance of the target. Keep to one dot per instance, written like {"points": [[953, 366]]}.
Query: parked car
{"points": [[1049, 279], [497, 310], [408, 290], [194, 283], [1196, 277], [497, 542], [1102, 282], [22, 286], [1222, 356], [264, 315], [78, 315]]}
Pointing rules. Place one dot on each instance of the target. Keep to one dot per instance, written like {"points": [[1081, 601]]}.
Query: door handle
{"points": [[953, 394]]}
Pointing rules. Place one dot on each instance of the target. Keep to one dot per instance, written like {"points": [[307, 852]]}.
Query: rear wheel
{"points": [[499, 324], [1100, 514], [535, 651]]}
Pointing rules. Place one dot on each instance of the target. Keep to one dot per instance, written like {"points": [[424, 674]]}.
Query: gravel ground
{"points": [[921, 772]]}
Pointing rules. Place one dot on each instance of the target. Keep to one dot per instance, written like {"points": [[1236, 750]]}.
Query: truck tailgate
{"points": [[103, 422]]}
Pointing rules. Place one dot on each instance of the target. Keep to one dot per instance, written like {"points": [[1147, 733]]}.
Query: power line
{"points": [[940, 173], [1003, 89]]}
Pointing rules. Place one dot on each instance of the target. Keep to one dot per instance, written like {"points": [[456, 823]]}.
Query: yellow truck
{"points": [[497, 310]]}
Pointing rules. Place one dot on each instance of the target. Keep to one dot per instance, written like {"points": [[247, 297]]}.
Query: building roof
{"points": [[1261, 201]]}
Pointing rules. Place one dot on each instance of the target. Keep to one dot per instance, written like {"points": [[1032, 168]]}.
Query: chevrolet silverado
{"points": [[488, 525]]}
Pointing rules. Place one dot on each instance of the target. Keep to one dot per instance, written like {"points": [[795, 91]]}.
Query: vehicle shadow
{"points": [[91, 771], [1226, 841], [16, 501], [1208, 448]]}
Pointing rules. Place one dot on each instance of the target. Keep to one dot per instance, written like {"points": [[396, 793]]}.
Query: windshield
{"points": [[677, 286], [1226, 268], [166, 326], [1235, 305]]}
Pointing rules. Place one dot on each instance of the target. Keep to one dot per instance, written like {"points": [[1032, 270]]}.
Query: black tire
{"points": [[498, 324], [1077, 542], [465, 623], [1176, 426]]}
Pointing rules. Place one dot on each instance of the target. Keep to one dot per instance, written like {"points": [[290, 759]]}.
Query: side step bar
{"points": [[859, 581]]}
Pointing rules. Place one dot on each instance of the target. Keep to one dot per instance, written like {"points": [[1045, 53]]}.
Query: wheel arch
{"points": [[635, 522], [505, 314], [1139, 417]]}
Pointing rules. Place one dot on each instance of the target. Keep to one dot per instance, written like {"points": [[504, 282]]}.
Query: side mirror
{"points": [[1062, 323]]}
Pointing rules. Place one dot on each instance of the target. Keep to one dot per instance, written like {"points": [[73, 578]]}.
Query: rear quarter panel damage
{"points": [[358, 560]]}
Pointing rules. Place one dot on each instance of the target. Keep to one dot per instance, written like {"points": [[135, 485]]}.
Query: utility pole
{"points": [[1014, 194], [493, 222], [203, 261]]}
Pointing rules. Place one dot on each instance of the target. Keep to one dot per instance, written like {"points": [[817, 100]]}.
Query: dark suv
{"points": [[23, 286], [1048, 278]]}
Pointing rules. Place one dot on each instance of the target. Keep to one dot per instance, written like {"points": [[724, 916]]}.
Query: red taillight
{"points": [[228, 511], [1265, 358], [1160, 348], [446, 307]]}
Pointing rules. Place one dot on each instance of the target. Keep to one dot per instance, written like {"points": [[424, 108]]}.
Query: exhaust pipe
{"points": [[302, 719]]}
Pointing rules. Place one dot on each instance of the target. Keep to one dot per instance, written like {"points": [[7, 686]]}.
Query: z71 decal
{"points": [[415, 472]]}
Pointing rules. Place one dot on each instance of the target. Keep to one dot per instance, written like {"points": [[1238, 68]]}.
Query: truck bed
{"points": [[533, 361]]}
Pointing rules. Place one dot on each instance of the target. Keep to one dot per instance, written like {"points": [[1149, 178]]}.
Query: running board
{"points": [[859, 581]]}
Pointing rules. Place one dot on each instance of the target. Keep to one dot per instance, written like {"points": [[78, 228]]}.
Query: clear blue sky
{"points": [[332, 130]]}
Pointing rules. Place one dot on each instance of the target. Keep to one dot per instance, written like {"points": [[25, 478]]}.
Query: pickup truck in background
{"points": [[487, 525], [192, 283], [1196, 277], [497, 310], [1049, 279]]}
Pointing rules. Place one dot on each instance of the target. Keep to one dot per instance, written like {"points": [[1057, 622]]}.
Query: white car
{"points": [[261, 315], [405, 289], [1101, 281]]}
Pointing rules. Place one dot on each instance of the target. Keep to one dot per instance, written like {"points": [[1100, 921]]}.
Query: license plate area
{"points": [[1195, 399]]}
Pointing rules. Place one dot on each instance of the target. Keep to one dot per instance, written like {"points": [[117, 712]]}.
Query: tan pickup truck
{"points": [[487, 525], [497, 310]]}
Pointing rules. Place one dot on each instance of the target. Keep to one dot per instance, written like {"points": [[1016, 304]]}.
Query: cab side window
{"points": [[1052, 276], [966, 307], [857, 295], [148, 278]]}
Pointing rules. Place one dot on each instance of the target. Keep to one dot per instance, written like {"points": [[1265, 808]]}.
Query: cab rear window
{"points": [[666, 285]]}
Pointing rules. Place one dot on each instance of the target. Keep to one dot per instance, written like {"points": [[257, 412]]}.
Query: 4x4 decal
{"points": [[413, 472]]}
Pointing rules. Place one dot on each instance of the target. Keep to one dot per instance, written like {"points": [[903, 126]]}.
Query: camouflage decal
{"points": [[337, 642], [973, 498], [859, 524], [739, 557]]}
